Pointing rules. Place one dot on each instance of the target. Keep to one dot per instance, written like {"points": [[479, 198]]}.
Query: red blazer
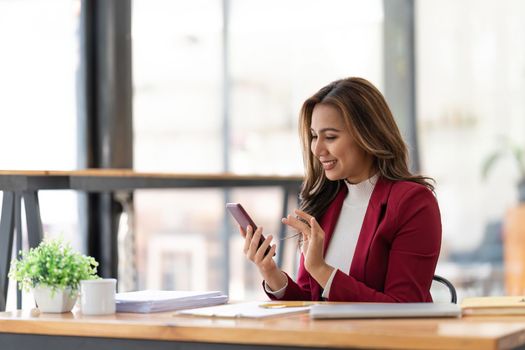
{"points": [[396, 253]]}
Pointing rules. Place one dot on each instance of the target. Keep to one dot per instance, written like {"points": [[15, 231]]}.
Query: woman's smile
{"points": [[328, 164]]}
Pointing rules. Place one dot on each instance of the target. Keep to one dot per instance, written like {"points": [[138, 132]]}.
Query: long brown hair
{"points": [[370, 121]]}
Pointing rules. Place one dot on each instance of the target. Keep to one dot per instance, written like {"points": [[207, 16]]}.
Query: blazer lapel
{"points": [[371, 221], [329, 219]]}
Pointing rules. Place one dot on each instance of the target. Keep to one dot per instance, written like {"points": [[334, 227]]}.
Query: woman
{"points": [[371, 230]]}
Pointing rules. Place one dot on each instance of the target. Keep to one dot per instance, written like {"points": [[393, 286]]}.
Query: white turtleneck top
{"points": [[344, 238], [340, 252]]}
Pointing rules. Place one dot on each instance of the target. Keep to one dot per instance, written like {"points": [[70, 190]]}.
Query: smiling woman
{"points": [[360, 111], [371, 230], [336, 148]]}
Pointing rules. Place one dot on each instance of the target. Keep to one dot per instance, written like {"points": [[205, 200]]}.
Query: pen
{"points": [[284, 304]]}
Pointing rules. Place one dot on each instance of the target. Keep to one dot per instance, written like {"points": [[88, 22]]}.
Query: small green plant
{"points": [[506, 148], [54, 264]]}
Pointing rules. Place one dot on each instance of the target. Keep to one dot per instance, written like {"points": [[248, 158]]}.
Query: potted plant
{"points": [[508, 148], [53, 271]]}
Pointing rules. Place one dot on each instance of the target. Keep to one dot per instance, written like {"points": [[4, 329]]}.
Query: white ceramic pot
{"points": [[62, 300]]}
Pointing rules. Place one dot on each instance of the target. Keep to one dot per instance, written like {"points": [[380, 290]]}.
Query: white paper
{"points": [[164, 300], [251, 309]]}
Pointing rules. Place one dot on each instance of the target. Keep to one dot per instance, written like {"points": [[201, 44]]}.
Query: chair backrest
{"points": [[450, 287]]}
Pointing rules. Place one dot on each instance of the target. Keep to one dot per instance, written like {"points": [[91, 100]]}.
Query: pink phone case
{"points": [[243, 219], [240, 215]]}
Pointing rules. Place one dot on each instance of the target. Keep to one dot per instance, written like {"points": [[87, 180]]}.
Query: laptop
{"points": [[384, 310]]}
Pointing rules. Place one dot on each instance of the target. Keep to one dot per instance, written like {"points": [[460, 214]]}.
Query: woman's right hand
{"points": [[273, 276]]}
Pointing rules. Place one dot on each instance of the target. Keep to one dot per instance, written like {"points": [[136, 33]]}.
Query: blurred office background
{"points": [[466, 84]]}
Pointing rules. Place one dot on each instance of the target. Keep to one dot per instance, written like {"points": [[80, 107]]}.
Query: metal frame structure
{"points": [[105, 120], [18, 185]]}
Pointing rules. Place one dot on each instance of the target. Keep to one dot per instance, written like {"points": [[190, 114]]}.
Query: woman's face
{"points": [[336, 149]]}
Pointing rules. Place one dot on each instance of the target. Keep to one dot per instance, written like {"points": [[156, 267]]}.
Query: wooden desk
{"points": [[26, 184], [23, 330]]}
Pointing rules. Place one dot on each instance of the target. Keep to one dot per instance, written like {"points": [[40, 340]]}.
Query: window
{"points": [[470, 94], [38, 64], [279, 53]]}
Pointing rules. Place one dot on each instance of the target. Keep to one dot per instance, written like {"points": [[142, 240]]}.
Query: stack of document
{"points": [[502, 305], [251, 309], [164, 300]]}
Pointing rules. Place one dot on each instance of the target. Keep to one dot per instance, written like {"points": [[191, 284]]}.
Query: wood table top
{"points": [[292, 330], [127, 179]]}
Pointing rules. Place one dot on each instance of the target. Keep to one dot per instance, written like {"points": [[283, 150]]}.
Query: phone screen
{"points": [[241, 216]]}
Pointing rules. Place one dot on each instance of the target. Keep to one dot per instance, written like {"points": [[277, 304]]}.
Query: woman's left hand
{"points": [[313, 238]]}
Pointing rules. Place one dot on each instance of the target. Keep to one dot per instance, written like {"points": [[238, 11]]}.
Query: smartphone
{"points": [[241, 216]]}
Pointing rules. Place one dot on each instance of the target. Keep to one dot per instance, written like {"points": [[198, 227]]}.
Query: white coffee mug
{"points": [[97, 297]]}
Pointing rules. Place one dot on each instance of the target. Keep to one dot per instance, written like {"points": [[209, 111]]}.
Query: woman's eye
{"points": [[331, 137], [314, 137]]}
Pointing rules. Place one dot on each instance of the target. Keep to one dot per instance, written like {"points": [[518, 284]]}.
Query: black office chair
{"points": [[449, 285]]}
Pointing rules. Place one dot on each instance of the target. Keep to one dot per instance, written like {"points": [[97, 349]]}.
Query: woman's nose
{"points": [[318, 148]]}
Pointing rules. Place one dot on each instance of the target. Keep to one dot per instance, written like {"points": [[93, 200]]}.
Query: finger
{"points": [[254, 243], [295, 223], [248, 242], [270, 254], [242, 231], [303, 215], [317, 232], [247, 238], [305, 236], [315, 227], [259, 256]]}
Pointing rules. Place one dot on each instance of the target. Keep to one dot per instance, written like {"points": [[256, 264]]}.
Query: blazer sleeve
{"points": [[412, 257], [297, 291]]}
